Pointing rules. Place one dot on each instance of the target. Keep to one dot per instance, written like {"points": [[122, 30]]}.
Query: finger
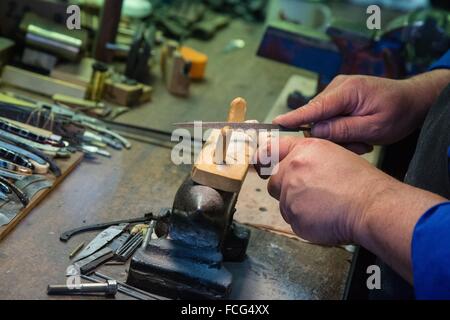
{"points": [[276, 181], [270, 154], [335, 103], [343, 129], [358, 148], [283, 207]]}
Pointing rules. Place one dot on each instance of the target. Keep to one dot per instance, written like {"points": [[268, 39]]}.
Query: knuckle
{"points": [[340, 78], [356, 82], [342, 130]]}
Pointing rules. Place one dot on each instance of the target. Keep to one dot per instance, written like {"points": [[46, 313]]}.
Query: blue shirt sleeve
{"points": [[442, 63], [431, 254]]}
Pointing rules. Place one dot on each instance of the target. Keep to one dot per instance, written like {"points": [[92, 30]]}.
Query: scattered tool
{"points": [[243, 126], [101, 240], [109, 288], [125, 252], [66, 235], [76, 250], [95, 260]]}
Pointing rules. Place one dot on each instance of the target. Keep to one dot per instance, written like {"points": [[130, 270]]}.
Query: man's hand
{"points": [[331, 196], [360, 111], [324, 189]]}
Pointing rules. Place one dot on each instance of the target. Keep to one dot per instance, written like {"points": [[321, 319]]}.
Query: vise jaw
{"points": [[186, 261]]}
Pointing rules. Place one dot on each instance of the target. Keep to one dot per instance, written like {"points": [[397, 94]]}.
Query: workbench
{"points": [[144, 179]]}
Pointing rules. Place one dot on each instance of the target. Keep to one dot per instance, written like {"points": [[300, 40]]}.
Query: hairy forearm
{"points": [[390, 218], [424, 89]]}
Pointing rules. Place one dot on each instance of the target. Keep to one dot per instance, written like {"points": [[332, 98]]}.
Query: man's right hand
{"points": [[360, 111]]}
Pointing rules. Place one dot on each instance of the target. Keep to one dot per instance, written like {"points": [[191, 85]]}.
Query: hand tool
{"points": [[66, 235], [5, 164], [121, 289], [31, 132], [76, 250], [78, 104], [95, 150], [32, 153], [125, 285], [10, 174], [109, 288], [110, 133], [119, 242], [19, 193], [95, 260], [101, 240], [129, 289], [243, 126], [125, 253], [19, 159], [40, 84], [148, 233]]}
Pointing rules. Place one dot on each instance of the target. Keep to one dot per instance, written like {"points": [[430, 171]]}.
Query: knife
{"points": [[101, 240], [239, 125]]}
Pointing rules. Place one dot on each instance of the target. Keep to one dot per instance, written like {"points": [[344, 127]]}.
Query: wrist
{"points": [[389, 219], [421, 91]]}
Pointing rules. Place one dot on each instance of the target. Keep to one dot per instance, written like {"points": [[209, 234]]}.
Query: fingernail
{"points": [[321, 130]]}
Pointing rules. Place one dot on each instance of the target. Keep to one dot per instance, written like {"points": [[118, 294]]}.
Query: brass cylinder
{"points": [[97, 84]]}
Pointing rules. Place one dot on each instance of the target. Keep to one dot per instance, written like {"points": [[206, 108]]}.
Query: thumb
{"points": [[342, 129], [323, 107]]}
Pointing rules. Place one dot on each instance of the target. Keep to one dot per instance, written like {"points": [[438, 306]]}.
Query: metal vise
{"points": [[186, 261]]}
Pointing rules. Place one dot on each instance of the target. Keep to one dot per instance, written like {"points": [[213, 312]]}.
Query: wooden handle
{"points": [[238, 110]]}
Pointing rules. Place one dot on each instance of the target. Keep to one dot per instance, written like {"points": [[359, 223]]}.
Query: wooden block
{"points": [[238, 110], [123, 94], [40, 84], [230, 174]]}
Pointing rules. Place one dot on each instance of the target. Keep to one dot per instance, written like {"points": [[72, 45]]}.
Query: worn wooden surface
{"points": [[144, 178], [128, 185]]}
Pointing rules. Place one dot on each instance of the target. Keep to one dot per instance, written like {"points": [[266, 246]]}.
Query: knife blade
{"points": [[102, 239], [239, 125]]}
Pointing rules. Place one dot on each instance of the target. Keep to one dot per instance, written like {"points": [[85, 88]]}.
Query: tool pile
{"points": [[114, 245], [33, 136]]}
